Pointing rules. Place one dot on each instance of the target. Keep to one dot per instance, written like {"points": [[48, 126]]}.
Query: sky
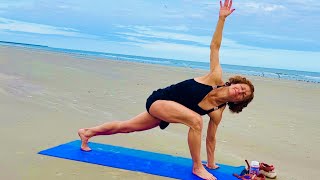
{"points": [[263, 33]]}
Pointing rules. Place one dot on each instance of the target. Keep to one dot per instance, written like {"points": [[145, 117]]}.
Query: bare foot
{"points": [[203, 173], [84, 140]]}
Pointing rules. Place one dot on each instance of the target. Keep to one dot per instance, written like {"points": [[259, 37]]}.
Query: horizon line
{"points": [[45, 46]]}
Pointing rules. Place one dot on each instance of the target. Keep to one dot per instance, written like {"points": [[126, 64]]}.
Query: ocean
{"points": [[312, 77]]}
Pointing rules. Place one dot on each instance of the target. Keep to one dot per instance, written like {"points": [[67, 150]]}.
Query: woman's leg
{"points": [[173, 112], [143, 121]]}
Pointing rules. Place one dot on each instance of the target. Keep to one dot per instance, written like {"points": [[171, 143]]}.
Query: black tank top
{"points": [[189, 93]]}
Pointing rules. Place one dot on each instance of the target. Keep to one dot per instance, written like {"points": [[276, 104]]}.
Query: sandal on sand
{"points": [[266, 167], [270, 174], [267, 170]]}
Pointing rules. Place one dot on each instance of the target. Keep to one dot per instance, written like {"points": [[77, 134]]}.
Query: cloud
{"points": [[253, 7], [275, 37], [6, 4], [149, 32], [26, 27], [272, 7], [169, 50], [306, 4], [196, 15], [17, 6], [154, 40], [146, 34], [288, 6], [64, 7], [57, 5], [173, 28]]}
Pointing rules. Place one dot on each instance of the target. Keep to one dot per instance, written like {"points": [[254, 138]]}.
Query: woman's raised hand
{"points": [[225, 8]]}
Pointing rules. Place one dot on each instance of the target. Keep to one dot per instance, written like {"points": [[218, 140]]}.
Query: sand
{"points": [[46, 97]]}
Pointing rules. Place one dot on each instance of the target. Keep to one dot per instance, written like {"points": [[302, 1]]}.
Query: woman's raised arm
{"points": [[225, 10]]}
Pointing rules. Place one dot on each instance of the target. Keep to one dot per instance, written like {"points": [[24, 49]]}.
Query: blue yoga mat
{"points": [[136, 160]]}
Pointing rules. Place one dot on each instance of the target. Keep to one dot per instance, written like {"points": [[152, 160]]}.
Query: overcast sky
{"points": [[265, 33]]}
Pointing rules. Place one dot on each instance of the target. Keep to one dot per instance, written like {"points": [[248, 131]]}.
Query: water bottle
{"points": [[254, 167]]}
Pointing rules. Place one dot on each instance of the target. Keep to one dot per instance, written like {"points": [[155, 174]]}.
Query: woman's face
{"points": [[239, 92]]}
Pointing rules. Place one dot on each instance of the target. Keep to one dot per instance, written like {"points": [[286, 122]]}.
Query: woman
{"points": [[186, 102]]}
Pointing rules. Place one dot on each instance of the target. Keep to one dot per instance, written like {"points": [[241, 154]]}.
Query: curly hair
{"points": [[237, 107]]}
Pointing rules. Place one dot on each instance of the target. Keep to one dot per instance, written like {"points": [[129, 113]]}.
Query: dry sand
{"points": [[45, 97]]}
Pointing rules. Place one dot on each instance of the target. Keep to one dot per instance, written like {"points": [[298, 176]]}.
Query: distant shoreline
{"points": [[305, 76]]}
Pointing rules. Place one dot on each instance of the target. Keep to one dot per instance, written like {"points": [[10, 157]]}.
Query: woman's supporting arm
{"points": [[215, 119]]}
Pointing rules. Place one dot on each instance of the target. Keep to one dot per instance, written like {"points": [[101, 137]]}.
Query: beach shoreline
{"points": [[271, 73], [47, 96]]}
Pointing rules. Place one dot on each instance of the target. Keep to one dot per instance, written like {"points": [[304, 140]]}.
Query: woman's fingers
{"points": [[226, 3], [230, 4]]}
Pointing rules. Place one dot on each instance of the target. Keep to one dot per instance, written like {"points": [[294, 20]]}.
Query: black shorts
{"points": [[156, 95], [151, 99]]}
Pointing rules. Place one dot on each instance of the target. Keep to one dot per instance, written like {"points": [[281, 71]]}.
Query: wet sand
{"points": [[46, 97]]}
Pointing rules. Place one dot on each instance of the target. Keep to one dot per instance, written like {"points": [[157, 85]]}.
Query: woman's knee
{"points": [[196, 122]]}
